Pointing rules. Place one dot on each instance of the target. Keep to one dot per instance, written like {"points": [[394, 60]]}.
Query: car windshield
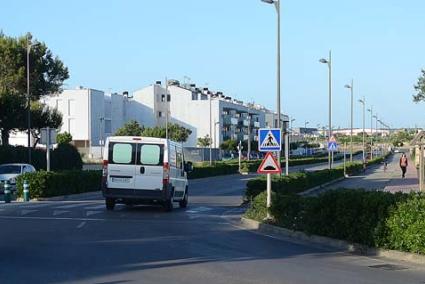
{"points": [[10, 169]]}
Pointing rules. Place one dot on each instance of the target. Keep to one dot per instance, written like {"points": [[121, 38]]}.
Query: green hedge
{"points": [[203, 169], [64, 157], [299, 182], [48, 184], [377, 219]]}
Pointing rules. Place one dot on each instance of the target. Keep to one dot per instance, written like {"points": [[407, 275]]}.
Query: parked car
{"points": [[144, 170], [9, 173]]}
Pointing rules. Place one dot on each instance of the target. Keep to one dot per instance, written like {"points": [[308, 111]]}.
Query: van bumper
{"points": [[137, 195]]}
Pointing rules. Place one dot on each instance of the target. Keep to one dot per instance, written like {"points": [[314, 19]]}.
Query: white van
{"points": [[144, 170]]}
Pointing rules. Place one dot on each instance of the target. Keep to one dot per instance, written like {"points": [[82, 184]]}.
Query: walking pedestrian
{"points": [[403, 165]]}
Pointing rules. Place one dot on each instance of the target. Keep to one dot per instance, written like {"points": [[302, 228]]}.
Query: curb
{"points": [[66, 197], [333, 243]]}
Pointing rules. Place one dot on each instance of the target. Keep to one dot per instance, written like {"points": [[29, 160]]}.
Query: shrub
{"points": [[405, 226], [48, 184], [372, 218], [66, 157], [64, 138]]}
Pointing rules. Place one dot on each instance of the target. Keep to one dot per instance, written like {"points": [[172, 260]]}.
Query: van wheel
{"points": [[183, 203], [110, 204]]}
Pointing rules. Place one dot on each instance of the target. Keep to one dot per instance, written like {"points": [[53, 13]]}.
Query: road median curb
{"points": [[66, 197], [332, 243]]}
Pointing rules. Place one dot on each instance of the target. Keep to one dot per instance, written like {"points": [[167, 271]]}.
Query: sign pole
{"points": [[345, 168], [269, 194], [48, 149]]}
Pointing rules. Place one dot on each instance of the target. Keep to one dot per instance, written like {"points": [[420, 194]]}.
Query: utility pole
{"points": [[166, 111]]}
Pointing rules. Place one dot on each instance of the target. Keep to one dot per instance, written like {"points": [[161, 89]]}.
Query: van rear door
{"points": [[149, 167], [121, 165]]}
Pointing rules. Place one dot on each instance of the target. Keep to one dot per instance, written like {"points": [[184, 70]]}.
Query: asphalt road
{"points": [[78, 241]]}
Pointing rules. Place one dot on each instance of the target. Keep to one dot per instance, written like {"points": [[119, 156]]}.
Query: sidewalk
{"points": [[397, 184], [376, 178]]}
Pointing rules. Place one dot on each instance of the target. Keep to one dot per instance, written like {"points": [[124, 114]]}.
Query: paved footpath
{"points": [[375, 178]]}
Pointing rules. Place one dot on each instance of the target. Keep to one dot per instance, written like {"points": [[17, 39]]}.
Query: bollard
{"points": [[26, 191], [7, 193]]}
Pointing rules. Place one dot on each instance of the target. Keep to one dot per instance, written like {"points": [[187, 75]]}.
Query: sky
{"points": [[231, 47]]}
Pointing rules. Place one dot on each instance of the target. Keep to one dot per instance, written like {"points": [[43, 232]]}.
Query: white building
{"points": [[91, 115]]}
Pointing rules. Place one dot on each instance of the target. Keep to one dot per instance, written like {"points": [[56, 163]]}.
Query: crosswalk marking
{"points": [[59, 212], [25, 212], [71, 206], [89, 213], [101, 206]]}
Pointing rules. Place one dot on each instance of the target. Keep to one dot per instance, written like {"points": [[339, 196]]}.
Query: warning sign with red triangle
{"points": [[269, 165]]}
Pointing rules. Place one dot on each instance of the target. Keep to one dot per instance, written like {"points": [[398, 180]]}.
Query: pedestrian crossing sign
{"points": [[332, 145], [269, 139]]}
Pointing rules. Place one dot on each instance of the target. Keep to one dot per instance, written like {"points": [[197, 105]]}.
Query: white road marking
{"points": [[25, 212], [81, 225], [59, 212], [199, 209], [89, 213], [102, 206], [31, 206], [71, 206]]}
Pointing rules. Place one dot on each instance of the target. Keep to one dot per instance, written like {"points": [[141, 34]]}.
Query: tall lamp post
{"points": [[305, 132], [371, 131], [276, 3], [351, 87], [29, 45], [329, 63], [363, 102], [376, 129]]}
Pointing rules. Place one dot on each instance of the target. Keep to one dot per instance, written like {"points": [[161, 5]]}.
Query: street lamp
{"points": [[305, 131], [29, 45], [329, 63], [363, 102], [371, 131], [276, 3], [351, 87]]}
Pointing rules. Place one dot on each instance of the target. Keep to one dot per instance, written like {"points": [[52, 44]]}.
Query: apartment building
{"points": [[92, 115]]}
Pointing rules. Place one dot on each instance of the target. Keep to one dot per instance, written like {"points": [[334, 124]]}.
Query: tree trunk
{"points": [[5, 137]]}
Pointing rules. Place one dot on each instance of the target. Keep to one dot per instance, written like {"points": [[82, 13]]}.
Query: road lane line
{"points": [[89, 213], [71, 206], [59, 212], [25, 212], [102, 206], [81, 225]]}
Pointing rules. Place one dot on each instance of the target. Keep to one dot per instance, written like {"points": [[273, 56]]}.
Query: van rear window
{"points": [[150, 154], [121, 153]]}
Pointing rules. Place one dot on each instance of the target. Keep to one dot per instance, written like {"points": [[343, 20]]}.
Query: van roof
{"points": [[137, 139]]}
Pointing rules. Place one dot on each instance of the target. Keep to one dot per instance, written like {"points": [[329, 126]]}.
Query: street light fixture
{"points": [[329, 63], [351, 87], [363, 102], [277, 6], [305, 131], [371, 131]]}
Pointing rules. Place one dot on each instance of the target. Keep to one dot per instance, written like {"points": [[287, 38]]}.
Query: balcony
{"points": [[229, 120]]}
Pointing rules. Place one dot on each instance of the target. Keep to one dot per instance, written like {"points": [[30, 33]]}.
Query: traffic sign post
{"points": [[269, 166], [48, 137], [269, 140]]}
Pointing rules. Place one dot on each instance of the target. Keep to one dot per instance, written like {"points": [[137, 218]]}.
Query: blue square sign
{"points": [[269, 139]]}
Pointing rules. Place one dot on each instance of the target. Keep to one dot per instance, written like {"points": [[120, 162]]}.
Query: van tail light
{"points": [[166, 176], [104, 172]]}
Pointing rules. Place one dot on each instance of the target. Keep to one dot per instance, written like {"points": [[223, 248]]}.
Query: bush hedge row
{"points": [[48, 184], [64, 157], [301, 181], [201, 170], [377, 219]]}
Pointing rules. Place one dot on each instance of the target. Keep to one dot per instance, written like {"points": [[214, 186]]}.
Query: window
{"points": [[162, 98], [179, 160], [122, 153], [159, 113], [168, 98], [71, 107], [194, 96], [108, 126], [150, 155]]}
